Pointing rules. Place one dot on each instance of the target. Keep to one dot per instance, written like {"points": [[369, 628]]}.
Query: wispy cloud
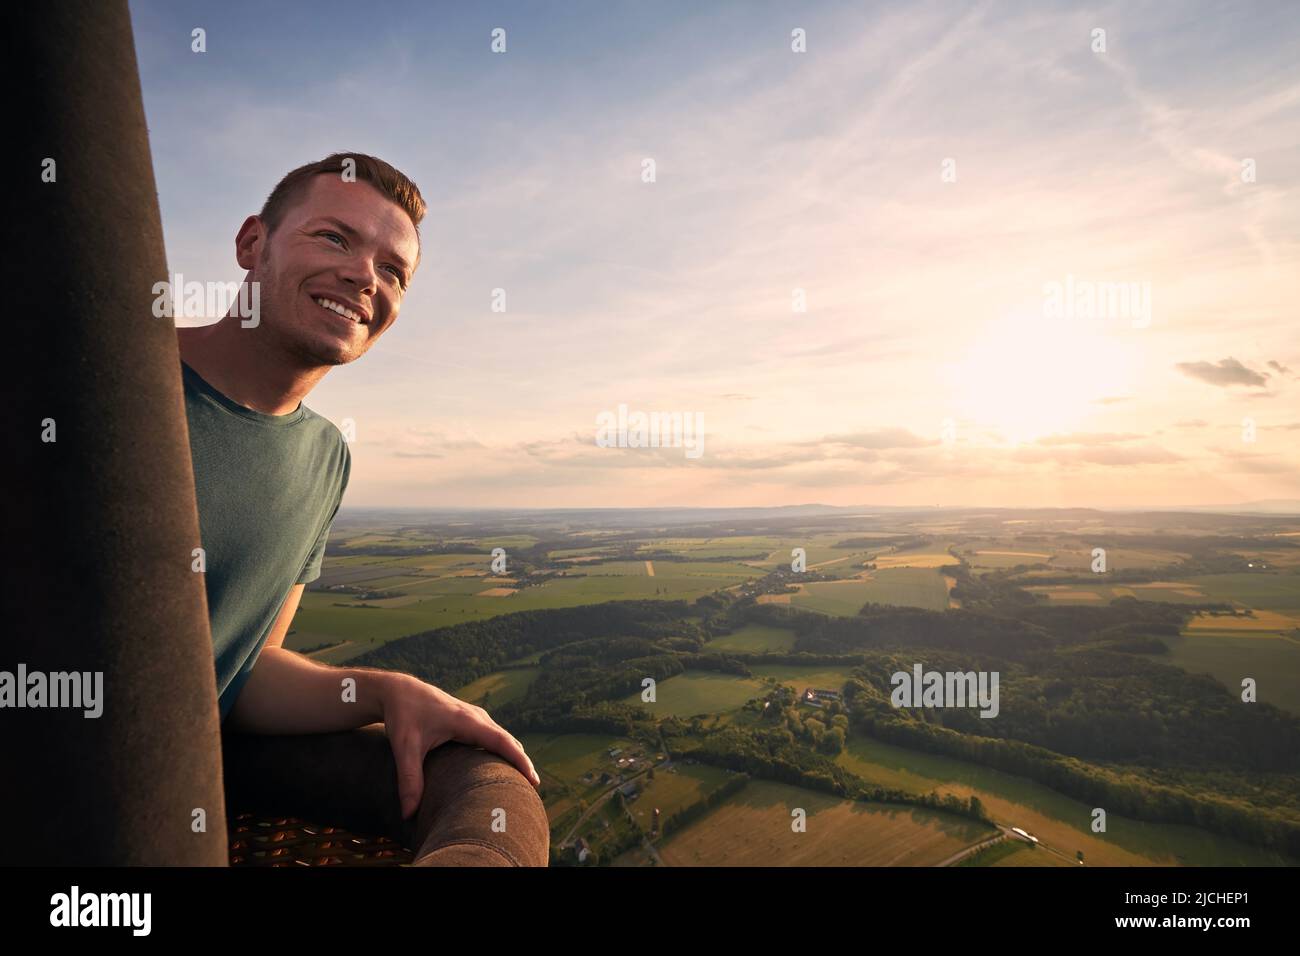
{"points": [[1224, 373]]}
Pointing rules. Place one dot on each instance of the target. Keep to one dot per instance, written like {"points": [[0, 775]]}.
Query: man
{"points": [[333, 251]]}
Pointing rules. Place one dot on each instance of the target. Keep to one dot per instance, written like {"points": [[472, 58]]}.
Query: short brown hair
{"points": [[370, 169]]}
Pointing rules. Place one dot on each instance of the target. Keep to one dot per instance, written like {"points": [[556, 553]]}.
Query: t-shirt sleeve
{"points": [[311, 570]]}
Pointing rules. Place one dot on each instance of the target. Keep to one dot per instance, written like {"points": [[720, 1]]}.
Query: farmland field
{"points": [[1271, 659], [1166, 592], [1057, 820], [1271, 591], [754, 639], [912, 587], [567, 757], [502, 686], [914, 559], [799, 676], [676, 789], [411, 577], [996, 558], [699, 692], [753, 828], [453, 594]]}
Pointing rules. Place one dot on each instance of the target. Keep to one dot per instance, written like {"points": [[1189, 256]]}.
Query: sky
{"points": [[948, 254]]}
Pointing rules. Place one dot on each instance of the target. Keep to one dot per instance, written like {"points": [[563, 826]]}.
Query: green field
{"points": [[1272, 591], [441, 598], [675, 789], [699, 692], [1004, 557], [754, 639], [909, 587], [567, 757], [1057, 820], [1103, 593], [800, 676], [1080, 559], [1228, 656], [820, 552], [503, 686]]}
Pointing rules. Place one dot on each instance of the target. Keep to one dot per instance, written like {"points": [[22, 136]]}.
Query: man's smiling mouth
{"points": [[340, 309]]}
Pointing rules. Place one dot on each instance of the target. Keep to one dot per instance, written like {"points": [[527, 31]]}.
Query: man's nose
{"points": [[360, 271]]}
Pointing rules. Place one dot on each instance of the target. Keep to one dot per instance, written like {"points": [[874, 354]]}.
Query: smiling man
{"points": [[333, 250]]}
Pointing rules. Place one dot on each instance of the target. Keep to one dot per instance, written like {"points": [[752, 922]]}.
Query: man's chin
{"points": [[330, 354]]}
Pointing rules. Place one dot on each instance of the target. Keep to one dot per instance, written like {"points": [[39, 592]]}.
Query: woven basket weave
{"points": [[287, 841]]}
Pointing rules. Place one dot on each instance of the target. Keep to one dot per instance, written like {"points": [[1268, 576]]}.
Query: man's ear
{"points": [[249, 242]]}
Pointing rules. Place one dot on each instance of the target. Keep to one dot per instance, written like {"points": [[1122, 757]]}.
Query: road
{"points": [[596, 804], [1005, 834]]}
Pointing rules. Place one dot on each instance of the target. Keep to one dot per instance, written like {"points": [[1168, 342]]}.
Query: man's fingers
{"points": [[489, 735], [410, 774]]}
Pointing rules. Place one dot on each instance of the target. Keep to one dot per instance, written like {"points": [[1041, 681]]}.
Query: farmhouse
{"points": [[818, 697]]}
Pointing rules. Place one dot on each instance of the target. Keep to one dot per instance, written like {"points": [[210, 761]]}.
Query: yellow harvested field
{"points": [[650, 569], [913, 560], [1074, 596], [1127, 592], [1018, 554], [779, 598], [755, 830], [1171, 584], [497, 592], [1262, 621]]}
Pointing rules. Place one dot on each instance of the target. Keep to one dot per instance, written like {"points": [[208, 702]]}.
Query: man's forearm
{"points": [[288, 694]]}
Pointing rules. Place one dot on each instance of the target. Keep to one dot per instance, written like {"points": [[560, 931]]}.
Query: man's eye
{"points": [[334, 235]]}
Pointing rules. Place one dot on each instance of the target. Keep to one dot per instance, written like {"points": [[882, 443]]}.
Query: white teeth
{"points": [[341, 309]]}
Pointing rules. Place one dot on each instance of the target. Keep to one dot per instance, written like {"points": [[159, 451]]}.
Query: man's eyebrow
{"points": [[347, 230]]}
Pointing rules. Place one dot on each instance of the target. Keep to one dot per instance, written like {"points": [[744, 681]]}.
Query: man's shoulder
{"points": [[330, 434]]}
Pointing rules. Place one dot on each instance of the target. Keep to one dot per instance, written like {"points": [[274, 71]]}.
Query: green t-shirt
{"points": [[268, 488]]}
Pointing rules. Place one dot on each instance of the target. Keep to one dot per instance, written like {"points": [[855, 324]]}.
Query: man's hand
{"points": [[419, 717]]}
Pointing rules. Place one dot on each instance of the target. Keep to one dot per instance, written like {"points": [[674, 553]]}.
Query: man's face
{"points": [[344, 243]]}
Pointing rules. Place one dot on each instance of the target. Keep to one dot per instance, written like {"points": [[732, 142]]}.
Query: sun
{"points": [[1025, 376]]}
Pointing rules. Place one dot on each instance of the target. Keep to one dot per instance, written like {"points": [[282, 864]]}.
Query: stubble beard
{"points": [[298, 342]]}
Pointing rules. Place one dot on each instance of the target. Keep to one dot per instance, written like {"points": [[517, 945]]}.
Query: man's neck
{"points": [[234, 361]]}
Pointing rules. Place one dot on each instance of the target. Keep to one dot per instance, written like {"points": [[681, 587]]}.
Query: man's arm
{"points": [[288, 694]]}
